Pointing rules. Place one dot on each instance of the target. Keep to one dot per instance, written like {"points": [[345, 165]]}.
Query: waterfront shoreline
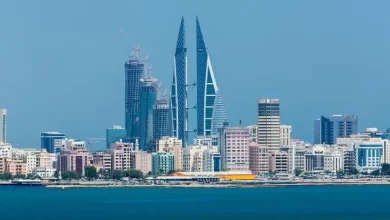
{"points": [[227, 185]]}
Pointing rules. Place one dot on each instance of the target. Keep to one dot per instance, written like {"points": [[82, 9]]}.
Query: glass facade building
{"points": [[134, 71], [328, 129], [179, 87], [115, 134], [161, 118], [148, 98], [207, 91], [51, 141], [368, 156]]}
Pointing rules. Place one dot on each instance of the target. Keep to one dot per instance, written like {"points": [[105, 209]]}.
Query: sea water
{"points": [[295, 202]]}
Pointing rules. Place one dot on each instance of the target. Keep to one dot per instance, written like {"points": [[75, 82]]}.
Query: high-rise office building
{"points": [[268, 123], [3, 125], [328, 129], [179, 87], [210, 110], [134, 70], [148, 98], [161, 119], [115, 134], [52, 141]]}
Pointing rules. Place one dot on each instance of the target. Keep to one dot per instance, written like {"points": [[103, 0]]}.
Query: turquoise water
{"points": [[314, 202]]}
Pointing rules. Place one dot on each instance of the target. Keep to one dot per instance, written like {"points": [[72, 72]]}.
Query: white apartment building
{"points": [[44, 172], [6, 150], [333, 159], [268, 123], [285, 135], [199, 158], [31, 160]]}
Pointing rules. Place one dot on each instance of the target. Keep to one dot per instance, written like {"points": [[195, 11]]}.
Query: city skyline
{"points": [[286, 75]]}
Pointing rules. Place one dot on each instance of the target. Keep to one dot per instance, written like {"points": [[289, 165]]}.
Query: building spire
{"points": [[181, 38], [199, 36]]}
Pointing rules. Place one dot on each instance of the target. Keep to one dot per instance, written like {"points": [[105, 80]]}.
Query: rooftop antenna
{"points": [[240, 123]]}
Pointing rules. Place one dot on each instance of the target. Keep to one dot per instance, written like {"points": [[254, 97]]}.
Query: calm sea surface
{"points": [[314, 202]]}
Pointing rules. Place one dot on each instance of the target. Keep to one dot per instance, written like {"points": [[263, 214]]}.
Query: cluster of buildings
{"points": [[155, 136]]}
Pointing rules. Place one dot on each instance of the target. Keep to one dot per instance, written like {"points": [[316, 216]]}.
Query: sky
{"points": [[62, 62]]}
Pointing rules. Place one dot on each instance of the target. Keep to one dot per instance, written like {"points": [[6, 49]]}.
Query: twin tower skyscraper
{"points": [[148, 119], [210, 109]]}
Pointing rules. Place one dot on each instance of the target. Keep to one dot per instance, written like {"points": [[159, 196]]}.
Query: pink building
{"points": [[258, 158], [141, 160], [73, 160], [235, 149]]}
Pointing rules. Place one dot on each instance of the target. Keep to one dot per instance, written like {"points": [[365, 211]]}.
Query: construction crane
{"points": [[93, 141]]}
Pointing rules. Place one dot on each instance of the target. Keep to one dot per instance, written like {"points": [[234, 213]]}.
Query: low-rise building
{"points": [[3, 164], [314, 159], [333, 159], [258, 158], [200, 158], [6, 150], [368, 155], [141, 160], [278, 162], [299, 159], [73, 160], [45, 172], [16, 167], [174, 146], [162, 163], [102, 160], [120, 155]]}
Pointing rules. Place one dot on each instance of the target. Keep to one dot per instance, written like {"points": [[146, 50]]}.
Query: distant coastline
{"points": [[246, 184]]}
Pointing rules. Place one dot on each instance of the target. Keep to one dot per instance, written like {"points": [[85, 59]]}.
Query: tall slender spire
{"points": [[179, 89], [207, 90], [199, 36], [181, 39]]}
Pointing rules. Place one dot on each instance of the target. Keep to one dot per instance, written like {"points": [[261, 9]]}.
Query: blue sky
{"points": [[61, 62]]}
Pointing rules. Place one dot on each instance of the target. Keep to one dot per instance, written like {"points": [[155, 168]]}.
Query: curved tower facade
{"points": [[179, 87], [208, 118]]}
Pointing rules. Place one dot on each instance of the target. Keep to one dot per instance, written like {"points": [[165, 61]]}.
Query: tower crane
{"points": [[93, 141]]}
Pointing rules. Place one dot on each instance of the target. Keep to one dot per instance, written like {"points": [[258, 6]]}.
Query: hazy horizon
{"points": [[62, 63]]}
